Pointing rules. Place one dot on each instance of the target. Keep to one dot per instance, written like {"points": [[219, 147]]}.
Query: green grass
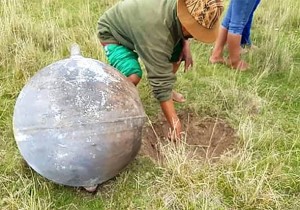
{"points": [[263, 105]]}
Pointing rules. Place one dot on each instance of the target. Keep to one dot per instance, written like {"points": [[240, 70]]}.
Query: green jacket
{"points": [[152, 29]]}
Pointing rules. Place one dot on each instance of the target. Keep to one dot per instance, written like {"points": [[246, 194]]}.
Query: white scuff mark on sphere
{"points": [[58, 117], [103, 98], [61, 155], [62, 145], [81, 77], [59, 167], [86, 64], [78, 100], [55, 112], [61, 136], [82, 101], [72, 84], [93, 155], [21, 136], [93, 109], [89, 139], [54, 108], [88, 106]]}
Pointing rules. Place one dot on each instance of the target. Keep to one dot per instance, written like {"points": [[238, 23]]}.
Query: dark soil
{"points": [[207, 138]]}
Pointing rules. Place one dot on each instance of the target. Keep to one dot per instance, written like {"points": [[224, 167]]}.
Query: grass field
{"points": [[261, 172]]}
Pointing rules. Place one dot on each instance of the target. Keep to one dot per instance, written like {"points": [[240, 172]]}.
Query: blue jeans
{"points": [[246, 40], [237, 15]]}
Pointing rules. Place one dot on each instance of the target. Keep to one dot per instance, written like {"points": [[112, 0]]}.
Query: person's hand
{"points": [[175, 133], [173, 120], [186, 55]]}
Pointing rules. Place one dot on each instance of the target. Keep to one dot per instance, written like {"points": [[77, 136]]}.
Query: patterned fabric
{"points": [[205, 12]]}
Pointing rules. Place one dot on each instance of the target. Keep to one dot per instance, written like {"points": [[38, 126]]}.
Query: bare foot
{"points": [[240, 65], [215, 60], [177, 97]]}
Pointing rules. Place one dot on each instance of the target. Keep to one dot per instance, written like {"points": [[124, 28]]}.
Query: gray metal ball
{"points": [[78, 121]]}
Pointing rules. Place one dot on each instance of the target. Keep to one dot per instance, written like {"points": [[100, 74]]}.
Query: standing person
{"points": [[246, 39], [157, 31], [231, 31]]}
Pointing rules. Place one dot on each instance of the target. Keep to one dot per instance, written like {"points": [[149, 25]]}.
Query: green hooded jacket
{"points": [[152, 29]]}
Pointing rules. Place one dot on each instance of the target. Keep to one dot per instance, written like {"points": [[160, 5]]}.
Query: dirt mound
{"points": [[205, 138]]}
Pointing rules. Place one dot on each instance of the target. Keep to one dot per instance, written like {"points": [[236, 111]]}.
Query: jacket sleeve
{"points": [[159, 69]]}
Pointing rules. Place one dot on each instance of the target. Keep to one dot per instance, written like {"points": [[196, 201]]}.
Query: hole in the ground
{"points": [[205, 137]]}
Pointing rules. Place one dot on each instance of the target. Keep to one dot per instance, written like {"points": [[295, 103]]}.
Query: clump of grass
{"points": [[23, 193], [278, 40], [240, 180]]}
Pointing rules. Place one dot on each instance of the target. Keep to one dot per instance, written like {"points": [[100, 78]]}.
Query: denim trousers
{"points": [[246, 40], [237, 16]]}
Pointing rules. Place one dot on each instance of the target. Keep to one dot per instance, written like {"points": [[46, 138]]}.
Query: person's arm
{"points": [[161, 77], [172, 118], [186, 55]]}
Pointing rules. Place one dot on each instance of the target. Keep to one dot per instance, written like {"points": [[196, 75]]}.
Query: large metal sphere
{"points": [[78, 121]]}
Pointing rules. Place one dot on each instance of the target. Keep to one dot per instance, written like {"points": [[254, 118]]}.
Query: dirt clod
{"points": [[205, 137]]}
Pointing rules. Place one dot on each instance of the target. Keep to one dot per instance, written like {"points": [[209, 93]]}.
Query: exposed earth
{"points": [[207, 138]]}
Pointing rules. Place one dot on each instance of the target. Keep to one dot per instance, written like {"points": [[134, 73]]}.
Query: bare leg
{"points": [[135, 79], [217, 54], [234, 60]]}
